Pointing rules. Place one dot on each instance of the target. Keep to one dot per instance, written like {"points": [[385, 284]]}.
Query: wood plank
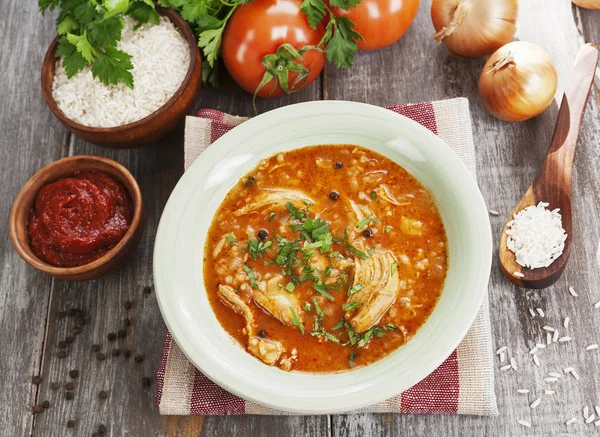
{"points": [[508, 156], [129, 408], [29, 141]]}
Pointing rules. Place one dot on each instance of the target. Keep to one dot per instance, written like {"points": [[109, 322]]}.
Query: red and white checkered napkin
{"points": [[463, 384]]}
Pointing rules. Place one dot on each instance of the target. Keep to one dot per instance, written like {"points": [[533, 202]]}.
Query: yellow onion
{"points": [[474, 28], [588, 4], [518, 81]]}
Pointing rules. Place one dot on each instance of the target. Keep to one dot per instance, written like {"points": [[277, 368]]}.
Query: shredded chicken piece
{"points": [[383, 193], [278, 301], [379, 292], [273, 196], [411, 227], [229, 263], [372, 177], [267, 350]]}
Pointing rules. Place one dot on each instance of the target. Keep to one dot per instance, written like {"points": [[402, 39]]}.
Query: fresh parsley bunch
{"points": [[90, 31], [209, 18]]}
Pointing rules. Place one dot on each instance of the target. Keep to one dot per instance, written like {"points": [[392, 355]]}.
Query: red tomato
{"points": [[257, 29], [381, 22]]}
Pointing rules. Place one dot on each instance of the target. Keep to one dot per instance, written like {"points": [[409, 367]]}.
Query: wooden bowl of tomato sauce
{"points": [[122, 214]]}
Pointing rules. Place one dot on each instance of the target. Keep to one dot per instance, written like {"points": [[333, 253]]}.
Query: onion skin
{"points": [[486, 25], [518, 81], [588, 4]]}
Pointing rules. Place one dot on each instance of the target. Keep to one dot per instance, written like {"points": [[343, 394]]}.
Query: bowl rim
{"points": [[285, 402], [23, 248], [49, 62]]}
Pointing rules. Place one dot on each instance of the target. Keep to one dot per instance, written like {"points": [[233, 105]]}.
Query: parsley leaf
{"points": [[331, 337], [353, 249], [342, 41], [314, 10], [257, 248], [351, 306], [296, 321], [373, 195], [388, 229], [307, 307], [322, 289], [72, 62], [364, 222], [353, 355], [320, 313], [210, 42], [105, 32], [352, 291], [143, 13], [338, 325], [113, 67], [82, 45], [393, 268], [290, 287], [251, 276], [231, 239], [328, 270], [66, 24]]}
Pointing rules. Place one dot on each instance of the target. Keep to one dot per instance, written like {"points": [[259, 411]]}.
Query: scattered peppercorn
{"points": [[100, 356], [69, 386], [62, 344], [37, 409], [263, 234], [116, 352], [147, 290], [61, 354], [71, 312], [121, 333], [95, 348], [127, 322], [339, 164], [139, 358], [262, 333], [112, 336], [74, 373], [37, 379], [69, 395], [334, 195], [146, 382], [368, 233], [127, 305], [76, 330], [101, 429], [54, 385], [70, 424], [127, 353], [46, 404], [250, 181], [103, 394], [70, 339]]}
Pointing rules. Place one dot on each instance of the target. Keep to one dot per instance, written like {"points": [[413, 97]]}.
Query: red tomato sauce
{"points": [[75, 220]]}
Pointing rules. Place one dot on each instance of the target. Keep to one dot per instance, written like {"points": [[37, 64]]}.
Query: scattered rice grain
{"points": [[555, 374], [573, 292], [493, 212], [591, 347], [590, 419], [597, 304], [540, 312], [564, 339], [502, 357], [519, 274], [533, 314], [513, 363], [524, 423], [566, 322], [548, 328], [536, 360], [568, 369], [586, 412], [508, 366], [551, 379], [502, 349], [523, 390], [555, 336], [548, 338], [534, 350], [535, 403], [571, 420], [575, 375], [549, 392]]}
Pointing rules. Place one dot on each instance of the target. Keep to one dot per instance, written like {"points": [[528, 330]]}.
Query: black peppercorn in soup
{"points": [[325, 258]]}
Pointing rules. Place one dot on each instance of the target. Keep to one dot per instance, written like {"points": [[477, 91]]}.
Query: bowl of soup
{"points": [[322, 257]]}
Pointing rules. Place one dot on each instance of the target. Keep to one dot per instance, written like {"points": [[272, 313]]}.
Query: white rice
{"points": [[571, 421], [541, 312], [540, 346], [535, 403], [500, 350], [564, 339], [536, 236], [591, 347], [548, 328], [597, 305], [160, 58], [534, 350], [523, 390], [566, 322], [502, 356], [548, 338], [590, 419], [586, 412], [536, 360], [555, 337], [555, 374], [524, 423], [597, 423], [532, 312], [513, 363], [549, 392], [508, 366], [568, 369], [575, 375], [493, 212], [519, 274], [551, 379], [597, 408], [572, 291]]}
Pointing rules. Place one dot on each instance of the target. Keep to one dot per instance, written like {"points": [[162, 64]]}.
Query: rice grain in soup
{"points": [[160, 58]]}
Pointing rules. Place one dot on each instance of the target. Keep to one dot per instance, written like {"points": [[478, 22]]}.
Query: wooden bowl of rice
{"points": [[148, 129]]}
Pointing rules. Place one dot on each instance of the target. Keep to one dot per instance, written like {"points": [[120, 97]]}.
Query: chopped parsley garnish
{"points": [[322, 289], [231, 239], [257, 248], [320, 313], [287, 254], [295, 212], [331, 337], [388, 229], [338, 325], [366, 337], [251, 276], [364, 222], [353, 249], [307, 307], [307, 202], [390, 327], [328, 270], [272, 215], [393, 268], [351, 306], [371, 251], [296, 321], [353, 355], [355, 289], [335, 255], [373, 195], [290, 287], [237, 289]]}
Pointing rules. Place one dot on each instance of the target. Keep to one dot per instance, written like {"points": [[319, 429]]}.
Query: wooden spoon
{"points": [[553, 182]]}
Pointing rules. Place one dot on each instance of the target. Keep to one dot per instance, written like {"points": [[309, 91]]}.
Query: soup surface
{"points": [[325, 258]]}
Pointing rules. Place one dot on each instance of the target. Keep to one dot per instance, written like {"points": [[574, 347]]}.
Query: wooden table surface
{"points": [[415, 69]]}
